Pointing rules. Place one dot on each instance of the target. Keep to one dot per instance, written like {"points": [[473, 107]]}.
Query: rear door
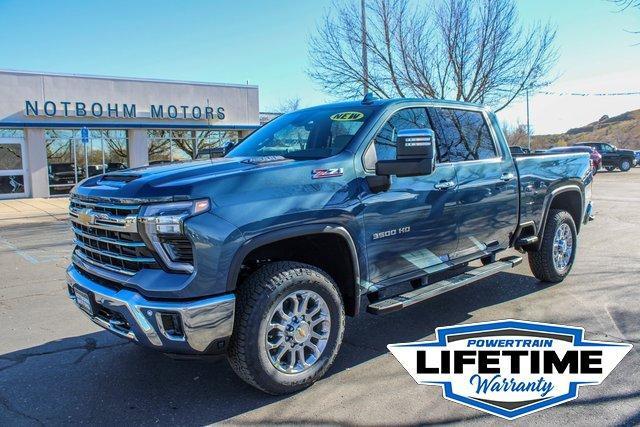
{"points": [[486, 206], [609, 156], [409, 227]]}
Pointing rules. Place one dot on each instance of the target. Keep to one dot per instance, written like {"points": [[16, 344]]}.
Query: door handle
{"points": [[444, 185], [507, 176]]}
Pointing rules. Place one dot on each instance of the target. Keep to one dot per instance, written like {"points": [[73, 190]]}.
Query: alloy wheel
{"points": [[298, 331], [562, 247]]}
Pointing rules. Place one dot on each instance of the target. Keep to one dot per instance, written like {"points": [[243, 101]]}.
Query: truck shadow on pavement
{"points": [[100, 378]]}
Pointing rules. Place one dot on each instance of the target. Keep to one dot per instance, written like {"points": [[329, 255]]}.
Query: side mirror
{"points": [[227, 147], [415, 154]]}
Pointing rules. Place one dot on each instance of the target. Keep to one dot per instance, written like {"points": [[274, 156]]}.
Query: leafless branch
{"points": [[475, 51]]}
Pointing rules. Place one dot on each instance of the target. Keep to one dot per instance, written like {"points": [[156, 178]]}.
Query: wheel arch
{"points": [[567, 197], [346, 273]]}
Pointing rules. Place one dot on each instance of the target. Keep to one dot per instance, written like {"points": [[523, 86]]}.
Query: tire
{"points": [[258, 300], [542, 261], [609, 168], [625, 165]]}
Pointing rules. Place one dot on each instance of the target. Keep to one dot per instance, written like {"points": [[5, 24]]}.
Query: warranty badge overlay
{"points": [[510, 368]]}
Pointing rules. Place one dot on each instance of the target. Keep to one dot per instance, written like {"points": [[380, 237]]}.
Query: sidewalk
{"points": [[33, 210]]}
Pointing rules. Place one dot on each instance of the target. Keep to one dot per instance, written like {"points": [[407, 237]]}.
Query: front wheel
{"points": [[553, 261], [288, 329], [625, 165]]}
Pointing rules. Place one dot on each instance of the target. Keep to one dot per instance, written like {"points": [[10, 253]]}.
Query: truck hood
{"points": [[174, 180]]}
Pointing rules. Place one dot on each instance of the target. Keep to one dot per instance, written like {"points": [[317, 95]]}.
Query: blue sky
{"points": [[265, 43]]}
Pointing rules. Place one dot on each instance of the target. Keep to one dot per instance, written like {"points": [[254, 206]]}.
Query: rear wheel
{"points": [[289, 327], [609, 168], [553, 261], [625, 165]]}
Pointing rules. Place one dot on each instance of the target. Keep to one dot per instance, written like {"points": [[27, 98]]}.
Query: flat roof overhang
{"points": [[124, 125]]}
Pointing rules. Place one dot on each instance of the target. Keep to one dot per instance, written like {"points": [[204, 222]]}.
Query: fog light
{"points": [[171, 324]]}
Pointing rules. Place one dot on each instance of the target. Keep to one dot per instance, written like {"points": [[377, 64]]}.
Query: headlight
{"points": [[165, 221], [167, 218]]}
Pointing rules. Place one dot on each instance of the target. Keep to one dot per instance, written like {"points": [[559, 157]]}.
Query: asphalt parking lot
{"points": [[57, 367]]}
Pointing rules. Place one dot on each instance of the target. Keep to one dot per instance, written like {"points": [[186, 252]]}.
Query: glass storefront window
{"points": [[12, 166], [167, 146], [11, 133], [13, 184], [70, 160], [10, 156]]}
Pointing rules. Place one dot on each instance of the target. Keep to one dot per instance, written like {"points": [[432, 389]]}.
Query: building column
{"points": [[138, 147], [37, 171], [245, 133]]}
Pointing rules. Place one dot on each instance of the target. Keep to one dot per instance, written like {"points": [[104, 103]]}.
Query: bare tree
{"points": [[516, 135], [289, 105], [186, 144], [623, 5], [476, 51]]}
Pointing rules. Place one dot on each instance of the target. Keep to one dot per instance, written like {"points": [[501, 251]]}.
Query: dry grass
{"points": [[622, 131]]}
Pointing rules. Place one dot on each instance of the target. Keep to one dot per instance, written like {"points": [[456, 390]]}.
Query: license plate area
{"points": [[84, 299]]}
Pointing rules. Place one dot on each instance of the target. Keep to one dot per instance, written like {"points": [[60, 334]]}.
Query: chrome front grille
{"points": [[106, 236]]}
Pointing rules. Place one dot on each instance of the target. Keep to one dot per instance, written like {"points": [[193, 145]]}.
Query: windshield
{"points": [[308, 134]]}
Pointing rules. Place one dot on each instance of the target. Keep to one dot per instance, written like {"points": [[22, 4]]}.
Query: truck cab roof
{"points": [[399, 101]]}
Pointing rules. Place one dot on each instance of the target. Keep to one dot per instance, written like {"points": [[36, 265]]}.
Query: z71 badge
{"points": [[327, 173]]}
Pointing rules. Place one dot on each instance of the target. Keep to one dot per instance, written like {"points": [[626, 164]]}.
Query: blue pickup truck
{"points": [[322, 213]]}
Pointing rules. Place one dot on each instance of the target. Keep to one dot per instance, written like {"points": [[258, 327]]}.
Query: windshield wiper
{"points": [[298, 157]]}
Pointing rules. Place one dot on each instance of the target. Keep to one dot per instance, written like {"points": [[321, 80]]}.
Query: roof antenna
{"points": [[368, 98]]}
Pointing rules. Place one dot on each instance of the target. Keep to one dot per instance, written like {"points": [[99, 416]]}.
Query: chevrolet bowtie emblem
{"points": [[86, 217]]}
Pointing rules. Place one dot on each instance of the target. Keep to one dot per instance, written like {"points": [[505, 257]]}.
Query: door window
{"points": [[10, 156], [385, 142], [464, 136], [12, 164]]}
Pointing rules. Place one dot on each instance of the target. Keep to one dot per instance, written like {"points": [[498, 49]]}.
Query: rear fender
{"points": [[548, 202]]}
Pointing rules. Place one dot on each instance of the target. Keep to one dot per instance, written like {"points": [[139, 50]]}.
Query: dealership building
{"points": [[57, 129]]}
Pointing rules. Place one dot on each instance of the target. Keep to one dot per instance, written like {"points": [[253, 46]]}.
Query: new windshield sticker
{"points": [[347, 116], [510, 368]]}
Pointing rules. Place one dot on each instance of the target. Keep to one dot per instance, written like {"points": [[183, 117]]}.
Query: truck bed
{"points": [[542, 173]]}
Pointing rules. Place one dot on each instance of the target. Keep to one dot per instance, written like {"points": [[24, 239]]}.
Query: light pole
{"points": [[365, 65]]}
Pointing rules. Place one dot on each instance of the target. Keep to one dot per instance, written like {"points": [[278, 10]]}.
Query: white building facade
{"points": [[56, 130]]}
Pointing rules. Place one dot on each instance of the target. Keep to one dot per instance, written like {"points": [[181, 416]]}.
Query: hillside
{"points": [[622, 131]]}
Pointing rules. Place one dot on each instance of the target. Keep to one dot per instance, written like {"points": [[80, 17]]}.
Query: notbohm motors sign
{"points": [[510, 368]]}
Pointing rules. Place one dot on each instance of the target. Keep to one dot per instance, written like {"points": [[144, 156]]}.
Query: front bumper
{"points": [[193, 327]]}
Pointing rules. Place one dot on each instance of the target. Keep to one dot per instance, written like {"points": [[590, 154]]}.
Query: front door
{"points": [[13, 167], [487, 194], [409, 227]]}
